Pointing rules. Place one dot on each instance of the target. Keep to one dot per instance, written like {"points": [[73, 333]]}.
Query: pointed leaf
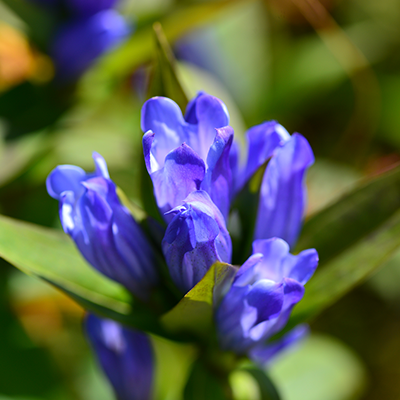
{"points": [[165, 80], [204, 383], [348, 270], [353, 217], [194, 313], [50, 255], [267, 389]]}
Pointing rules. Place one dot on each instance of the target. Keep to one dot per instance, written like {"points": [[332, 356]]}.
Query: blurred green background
{"points": [[327, 69]]}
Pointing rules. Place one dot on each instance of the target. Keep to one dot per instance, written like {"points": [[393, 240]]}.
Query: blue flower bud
{"points": [[78, 43], [125, 355], [195, 239], [263, 293], [283, 192], [103, 229], [202, 162]]}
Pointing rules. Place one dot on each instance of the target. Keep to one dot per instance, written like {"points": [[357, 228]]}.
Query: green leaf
{"points": [[319, 368], [353, 217], [267, 389], [348, 270], [194, 313], [206, 383], [50, 255], [165, 80]]}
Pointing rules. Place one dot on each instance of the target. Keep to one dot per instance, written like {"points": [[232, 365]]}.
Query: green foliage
{"points": [[348, 269], [352, 218], [194, 313], [165, 79]]}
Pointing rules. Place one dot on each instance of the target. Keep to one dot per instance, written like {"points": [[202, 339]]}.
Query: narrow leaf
{"points": [[267, 389], [50, 255], [348, 270], [119, 63], [194, 313], [165, 80], [205, 383], [356, 215]]}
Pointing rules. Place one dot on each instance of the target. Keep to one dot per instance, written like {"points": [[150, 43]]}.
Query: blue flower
{"points": [[187, 154], [102, 228], [79, 42], [283, 193], [263, 293], [125, 355], [195, 239]]}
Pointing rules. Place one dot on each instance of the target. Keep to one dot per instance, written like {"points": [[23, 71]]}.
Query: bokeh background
{"points": [[329, 69]]}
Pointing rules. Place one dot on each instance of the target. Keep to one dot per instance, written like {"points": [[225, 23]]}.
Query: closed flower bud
{"points": [[125, 355], [103, 229], [195, 239]]}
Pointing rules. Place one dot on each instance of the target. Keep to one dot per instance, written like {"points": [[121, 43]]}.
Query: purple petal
{"points": [[262, 141], [194, 240], [274, 251], [300, 267], [125, 355], [293, 293], [208, 113], [103, 230], [218, 180], [164, 117], [267, 297], [265, 352], [65, 178], [182, 174], [283, 192]]}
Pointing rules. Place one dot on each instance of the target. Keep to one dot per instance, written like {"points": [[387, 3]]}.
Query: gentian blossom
{"points": [[184, 154], [103, 229], [195, 239], [193, 162], [126, 356], [262, 295]]}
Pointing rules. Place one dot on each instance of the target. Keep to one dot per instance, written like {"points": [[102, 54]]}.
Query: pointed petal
{"points": [[163, 117], [265, 352], [65, 178], [218, 180], [302, 266], [208, 113], [283, 192], [274, 251], [182, 174], [262, 141], [194, 240]]}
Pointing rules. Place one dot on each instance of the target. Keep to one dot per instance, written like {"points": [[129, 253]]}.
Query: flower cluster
{"points": [[193, 162], [86, 30]]}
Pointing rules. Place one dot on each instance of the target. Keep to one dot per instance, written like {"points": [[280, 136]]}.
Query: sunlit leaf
{"points": [[194, 313], [50, 255]]}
